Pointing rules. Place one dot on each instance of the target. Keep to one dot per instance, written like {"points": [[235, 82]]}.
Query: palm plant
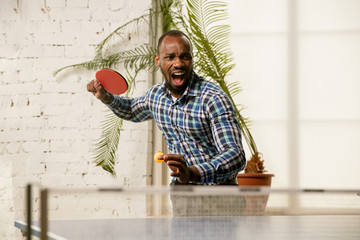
{"points": [[201, 20]]}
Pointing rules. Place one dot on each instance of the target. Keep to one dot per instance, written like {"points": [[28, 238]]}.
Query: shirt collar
{"points": [[193, 88]]}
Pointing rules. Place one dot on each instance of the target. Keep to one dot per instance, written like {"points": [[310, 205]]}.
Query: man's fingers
{"points": [[97, 85], [90, 86], [175, 162], [174, 157], [94, 86], [97, 89], [177, 167]]}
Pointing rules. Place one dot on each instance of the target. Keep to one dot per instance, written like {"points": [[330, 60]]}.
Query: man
{"points": [[195, 116]]}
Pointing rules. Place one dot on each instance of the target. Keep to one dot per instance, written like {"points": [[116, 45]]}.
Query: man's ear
{"points": [[157, 60]]}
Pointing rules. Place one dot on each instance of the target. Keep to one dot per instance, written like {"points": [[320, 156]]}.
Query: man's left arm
{"points": [[226, 134]]}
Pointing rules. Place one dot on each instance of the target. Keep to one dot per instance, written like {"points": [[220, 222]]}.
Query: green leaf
{"points": [[106, 147]]}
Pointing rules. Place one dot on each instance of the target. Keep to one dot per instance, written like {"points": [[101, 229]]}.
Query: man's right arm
{"points": [[130, 109]]}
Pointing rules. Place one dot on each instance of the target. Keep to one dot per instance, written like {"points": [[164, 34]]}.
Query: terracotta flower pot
{"points": [[254, 179], [255, 204]]}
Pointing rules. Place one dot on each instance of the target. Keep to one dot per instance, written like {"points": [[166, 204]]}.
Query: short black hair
{"points": [[173, 33]]}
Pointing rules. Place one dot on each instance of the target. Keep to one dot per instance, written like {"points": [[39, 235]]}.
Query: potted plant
{"points": [[254, 176], [197, 18], [254, 173]]}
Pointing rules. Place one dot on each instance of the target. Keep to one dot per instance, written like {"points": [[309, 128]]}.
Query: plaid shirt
{"points": [[201, 125]]}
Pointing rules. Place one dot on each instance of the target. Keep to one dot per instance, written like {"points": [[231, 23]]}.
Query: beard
{"points": [[173, 88]]}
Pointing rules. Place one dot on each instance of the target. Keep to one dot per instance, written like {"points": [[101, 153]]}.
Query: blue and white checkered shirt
{"points": [[201, 125]]}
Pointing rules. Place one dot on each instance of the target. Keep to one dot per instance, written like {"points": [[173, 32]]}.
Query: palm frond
{"points": [[234, 88], [134, 60], [120, 32], [138, 58], [170, 13], [213, 55], [105, 148], [210, 40]]}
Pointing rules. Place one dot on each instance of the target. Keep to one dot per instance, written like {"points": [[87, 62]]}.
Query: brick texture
{"points": [[48, 125]]}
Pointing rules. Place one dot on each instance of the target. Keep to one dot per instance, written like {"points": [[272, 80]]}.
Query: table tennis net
{"points": [[101, 203]]}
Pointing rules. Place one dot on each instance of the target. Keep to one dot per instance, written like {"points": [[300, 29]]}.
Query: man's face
{"points": [[175, 62]]}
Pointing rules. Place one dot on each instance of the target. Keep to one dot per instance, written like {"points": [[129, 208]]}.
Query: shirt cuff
{"points": [[113, 103], [206, 171]]}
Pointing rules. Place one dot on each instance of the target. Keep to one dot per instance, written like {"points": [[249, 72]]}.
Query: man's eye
{"points": [[186, 57], [169, 57]]}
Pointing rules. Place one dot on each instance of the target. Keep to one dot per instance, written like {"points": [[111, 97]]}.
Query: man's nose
{"points": [[178, 62]]}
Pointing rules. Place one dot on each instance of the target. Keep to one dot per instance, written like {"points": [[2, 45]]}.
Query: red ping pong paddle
{"points": [[112, 81]]}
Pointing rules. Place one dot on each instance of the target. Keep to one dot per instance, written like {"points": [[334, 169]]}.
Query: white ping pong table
{"points": [[243, 227], [310, 226]]}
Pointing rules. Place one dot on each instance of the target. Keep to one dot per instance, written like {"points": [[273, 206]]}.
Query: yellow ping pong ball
{"points": [[157, 154]]}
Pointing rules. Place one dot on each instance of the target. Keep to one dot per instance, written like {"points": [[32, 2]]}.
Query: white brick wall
{"points": [[48, 125]]}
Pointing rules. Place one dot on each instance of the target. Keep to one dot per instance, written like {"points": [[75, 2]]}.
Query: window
{"points": [[298, 64]]}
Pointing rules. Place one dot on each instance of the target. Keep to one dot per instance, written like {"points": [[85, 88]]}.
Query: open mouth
{"points": [[178, 77]]}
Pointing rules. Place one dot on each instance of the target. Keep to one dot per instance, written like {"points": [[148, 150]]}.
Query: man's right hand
{"points": [[99, 91]]}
